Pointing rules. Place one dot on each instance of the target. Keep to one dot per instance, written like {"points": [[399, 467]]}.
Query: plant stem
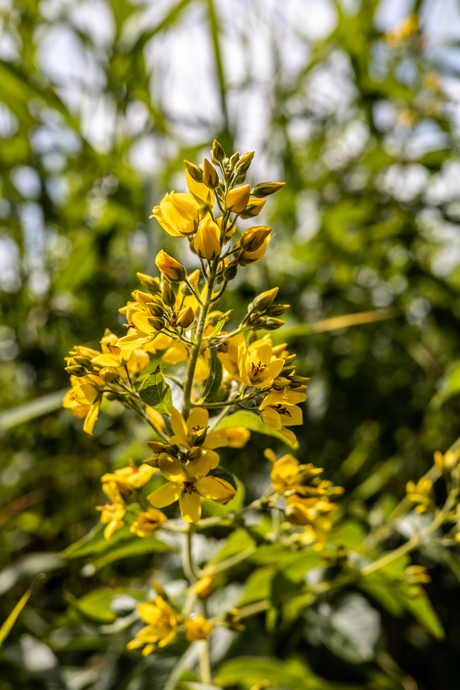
{"points": [[205, 664], [199, 339], [187, 557]]}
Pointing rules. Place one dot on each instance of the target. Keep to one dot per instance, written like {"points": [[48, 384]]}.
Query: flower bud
{"points": [[155, 309], [200, 437], [299, 380], [277, 309], [273, 324], [253, 238], [217, 153], [76, 370], [185, 317], [83, 361], [265, 299], [149, 283], [207, 239], [234, 159], [194, 171], [205, 586], [210, 177], [109, 374], [280, 383], [167, 293], [197, 628], [230, 271], [171, 269], [267, 188], [156, 322], [243, 164], [253, 208], [156, 446], [194, 453], [236, 199]]}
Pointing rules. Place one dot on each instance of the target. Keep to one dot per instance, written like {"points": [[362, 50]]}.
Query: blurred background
{"points": [[356, 106]]}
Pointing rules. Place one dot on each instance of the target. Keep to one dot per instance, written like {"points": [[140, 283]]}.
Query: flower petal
{"points": [[178, 424], [198, 418], [165, 495], [216, 439], [200, 467], [190, 506], [171, 468], [215, 488]]}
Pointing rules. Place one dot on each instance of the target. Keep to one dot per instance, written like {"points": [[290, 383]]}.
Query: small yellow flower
{"points": [[148, 522], [188, 483], [197, 422], [171, 269], [130, 477], [420, 493], [448, 461], [287, 473], [279, 409], [197, 628], [162, 628], [112, 513], [205, 586], [207, 239], [237, 199], [313, 514], [256, 365], [84, 399], [177, 214]]}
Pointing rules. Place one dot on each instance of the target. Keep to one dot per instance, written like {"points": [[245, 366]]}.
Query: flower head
{"points": [[256, 365], [148, 522], [207, 239], [130, 477], [177, 214], [112, 513], [188, 483], [186, 433], [197, 628], [163, 625], [84, 399]]}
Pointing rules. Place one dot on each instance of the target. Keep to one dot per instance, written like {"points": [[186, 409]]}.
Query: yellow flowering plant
{"points": [[238, 379]]}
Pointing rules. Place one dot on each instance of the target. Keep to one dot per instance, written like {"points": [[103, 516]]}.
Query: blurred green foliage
{"points": [[364, 135]]}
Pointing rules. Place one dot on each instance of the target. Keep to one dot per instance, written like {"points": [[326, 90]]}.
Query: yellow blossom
{"points": [[448, 461], [130, 477], [199, 191], [163, 625], [207, 239], [279, 409], [313, 514], [112, 513], [287, 473], [148, 522], [237, 199], [420, 493], [185, 433], [177, 214], [188, 483], [256, 365], [84, 399], [197, 628]]}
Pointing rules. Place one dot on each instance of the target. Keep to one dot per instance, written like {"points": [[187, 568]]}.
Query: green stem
{"points": [[199, 339], [205, 663], [187, 558]]}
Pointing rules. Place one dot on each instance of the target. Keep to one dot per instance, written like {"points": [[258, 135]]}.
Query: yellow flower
{"points": [[237, 199], [405, 29], [144, 332], [112, 513], [171, 269], [130, 477], [247, 258], [188, 483], [199, 191], [162, 628], [237, 436], [420, 493], [286, 473], [185, 433], [148, 522], [84, 399], [177, 214], [205, 586], [256, 365], [207, 239], [197, 628], [229, 357], [448, 461], [279, 409], [115, 358], [313, 514]]}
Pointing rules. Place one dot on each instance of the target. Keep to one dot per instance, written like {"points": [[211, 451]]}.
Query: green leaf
{"points": [[449, 386], [293, 674], [258, 586], [214, 380], [97, 604], [237, 542], [156, 392], [31, 410], [128, 549], [253, 423]]}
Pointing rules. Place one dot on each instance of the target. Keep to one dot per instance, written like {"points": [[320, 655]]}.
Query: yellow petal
{"points": [[202, 465], [171, 468], [175, 354], [165, 495], [190, 506], [216, 439], [178, 424], [215, 488], [198, 418], [91, 417]]}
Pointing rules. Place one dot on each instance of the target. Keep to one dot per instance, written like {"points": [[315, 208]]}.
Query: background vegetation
{"points": [[99, 104]]}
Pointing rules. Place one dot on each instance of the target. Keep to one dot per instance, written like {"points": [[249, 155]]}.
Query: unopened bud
{"points": [[273, 324], [150, 284], [217, 152], [199, 437], [155, 309], [237, 198], [289, 359], [83, 361], [210, 177], [265, 299], [253, 238], [170, 268], [156, 322], [185, 317], [287, 371], [234, 159], [205, 586], [194, 453], [109, 374], [194, 171], [168, 295], [76, 370], [299, 380], [253, 208], [277, 309], [281, 383], [230, 271], [156, 446], [267, 188], [243, 164]]}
